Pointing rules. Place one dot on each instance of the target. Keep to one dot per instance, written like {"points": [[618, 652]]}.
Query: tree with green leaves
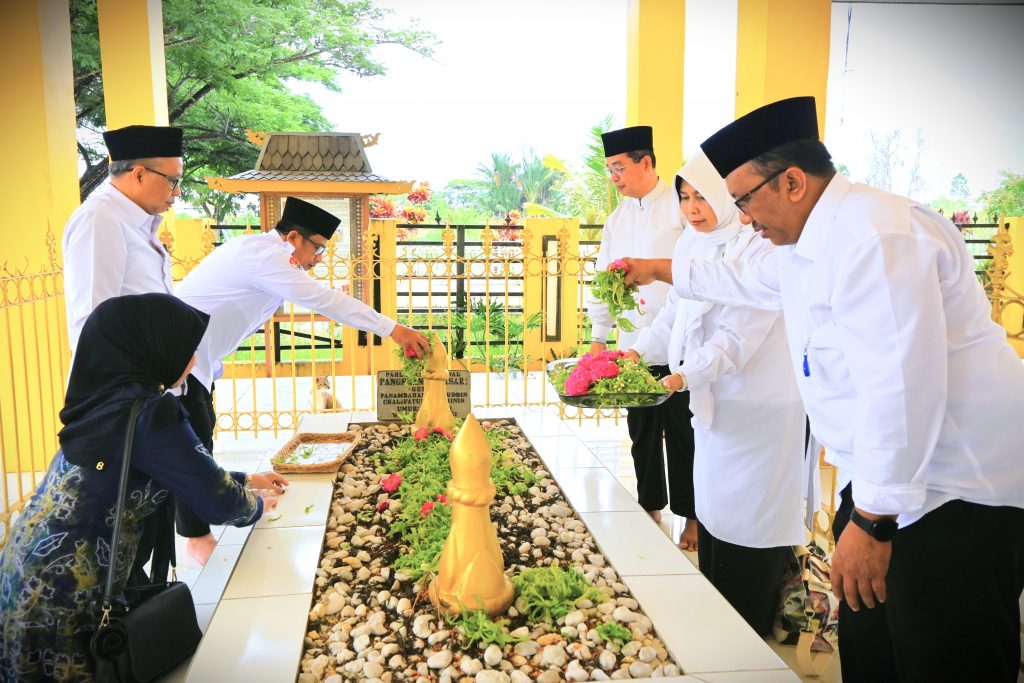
{"points": [[1007, 199], [590, 193], [233, 66]]}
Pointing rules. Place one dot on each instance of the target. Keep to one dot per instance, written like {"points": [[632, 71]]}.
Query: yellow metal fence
{"points": [[504, 304]]}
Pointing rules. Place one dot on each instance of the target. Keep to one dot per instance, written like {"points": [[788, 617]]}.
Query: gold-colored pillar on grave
{"points": [[434, 410], [471, 571]]}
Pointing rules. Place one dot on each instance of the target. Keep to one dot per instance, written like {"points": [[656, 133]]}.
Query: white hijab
{"points": [[714, 244]]}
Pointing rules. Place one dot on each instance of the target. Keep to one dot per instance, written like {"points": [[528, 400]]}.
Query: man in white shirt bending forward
{"points": [[907, 381], [240, 285]]}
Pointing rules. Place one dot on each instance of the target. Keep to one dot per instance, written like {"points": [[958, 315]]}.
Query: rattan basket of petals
{"points": [[310, 453]]}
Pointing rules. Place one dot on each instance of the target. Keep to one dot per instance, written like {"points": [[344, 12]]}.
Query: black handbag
{"points": [[144, 637]]}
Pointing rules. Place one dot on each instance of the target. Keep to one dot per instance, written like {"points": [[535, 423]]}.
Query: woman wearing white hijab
{"points": [[747, 416]]}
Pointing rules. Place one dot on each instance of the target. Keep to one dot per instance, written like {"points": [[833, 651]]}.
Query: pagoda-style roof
{"points": [[318, 163]]}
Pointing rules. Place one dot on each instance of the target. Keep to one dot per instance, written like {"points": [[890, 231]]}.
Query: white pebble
{"points": [[372, 670], [574, 673], [492, 676], [606, 660], [624, 615], [470, 665], [640, 670], [421, 626], [647, 654], [553, 655], [440, 660], [435, 638], [575, 617], [492, 655]]}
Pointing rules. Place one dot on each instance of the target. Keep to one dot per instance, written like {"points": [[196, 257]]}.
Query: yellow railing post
{"points": [[550, 268], [1006, 272]]}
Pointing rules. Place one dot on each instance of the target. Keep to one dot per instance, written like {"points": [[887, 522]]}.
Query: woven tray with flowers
{"points": [[311, 453]]}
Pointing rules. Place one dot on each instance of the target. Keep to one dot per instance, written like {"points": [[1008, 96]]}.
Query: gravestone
{"points": [[395, 396]]}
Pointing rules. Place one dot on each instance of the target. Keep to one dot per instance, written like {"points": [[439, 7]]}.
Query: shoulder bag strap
{"points": [[129, 437]]}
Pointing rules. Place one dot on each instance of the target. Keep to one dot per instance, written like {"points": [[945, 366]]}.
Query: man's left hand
{"points": [[409, 338], [859, 566]]}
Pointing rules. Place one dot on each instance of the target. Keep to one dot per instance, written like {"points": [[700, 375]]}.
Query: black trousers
{"points": [[952, 611], [199, 404], [657, 432], [749, 578]]}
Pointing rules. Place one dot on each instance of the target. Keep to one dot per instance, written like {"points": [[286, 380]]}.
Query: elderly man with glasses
{"points": [[110, 242], [647, 221], [240, 285]]}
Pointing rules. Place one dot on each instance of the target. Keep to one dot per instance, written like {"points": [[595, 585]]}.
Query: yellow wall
{"points": [[782, 51], [132, 57], [39, 181], [654, 76]]}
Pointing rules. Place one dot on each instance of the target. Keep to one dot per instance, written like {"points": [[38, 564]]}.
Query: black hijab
{"points": [[130, 346]]}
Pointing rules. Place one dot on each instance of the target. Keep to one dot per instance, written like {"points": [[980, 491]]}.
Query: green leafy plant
{"points": [[549, 593], [477, 629], [425, 471], [412, 367], [610, 631], [609, 287]]}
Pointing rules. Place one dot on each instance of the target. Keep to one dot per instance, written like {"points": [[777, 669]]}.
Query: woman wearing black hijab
{"points": [[58, 553]]}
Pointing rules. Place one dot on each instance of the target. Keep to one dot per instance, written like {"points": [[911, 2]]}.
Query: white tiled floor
{"points": [[266, 602]]}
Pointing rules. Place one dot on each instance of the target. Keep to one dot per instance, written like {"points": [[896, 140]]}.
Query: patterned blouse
{"points": [[54, 564]]}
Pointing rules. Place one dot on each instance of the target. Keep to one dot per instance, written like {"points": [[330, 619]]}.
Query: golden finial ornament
{"points": [[434, 410], [471, 570]]}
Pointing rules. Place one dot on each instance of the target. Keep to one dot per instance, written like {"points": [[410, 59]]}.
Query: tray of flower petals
{"points": [[308, 453], [605, 380]]}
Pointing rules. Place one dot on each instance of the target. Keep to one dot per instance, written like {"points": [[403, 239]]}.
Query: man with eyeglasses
{"points": [[647, 221], [240, 285], [909, 384], [110, 242]]}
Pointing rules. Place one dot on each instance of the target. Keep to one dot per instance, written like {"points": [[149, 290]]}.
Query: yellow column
{"points": [[551, 268], [39, 185], [132, 56], [654, 76], [782, 51], [38, 190]]}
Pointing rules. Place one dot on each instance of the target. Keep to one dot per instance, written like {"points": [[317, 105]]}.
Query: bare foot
{"points": [[200, 548], [655, 515], [688, 539]]}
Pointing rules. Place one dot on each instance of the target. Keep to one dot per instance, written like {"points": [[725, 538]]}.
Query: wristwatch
{"points": [[881, 529]]}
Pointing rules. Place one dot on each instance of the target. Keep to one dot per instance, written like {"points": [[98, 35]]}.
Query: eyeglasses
{"points": [[174, 182], [319, 249], [617, 170], [742, 202]]}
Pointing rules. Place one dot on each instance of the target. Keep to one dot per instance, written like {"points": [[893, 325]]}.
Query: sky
{"points": [[537, 74]]}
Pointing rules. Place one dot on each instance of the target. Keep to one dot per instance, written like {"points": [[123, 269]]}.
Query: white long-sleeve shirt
{"points": [[110, 249], [244, 281], [642, 228], [912, 388], [748, 421]]}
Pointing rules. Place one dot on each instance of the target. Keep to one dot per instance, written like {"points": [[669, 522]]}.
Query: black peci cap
{"points": [[310, 216], [143, 142], [627, 140], [760, 131]]}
